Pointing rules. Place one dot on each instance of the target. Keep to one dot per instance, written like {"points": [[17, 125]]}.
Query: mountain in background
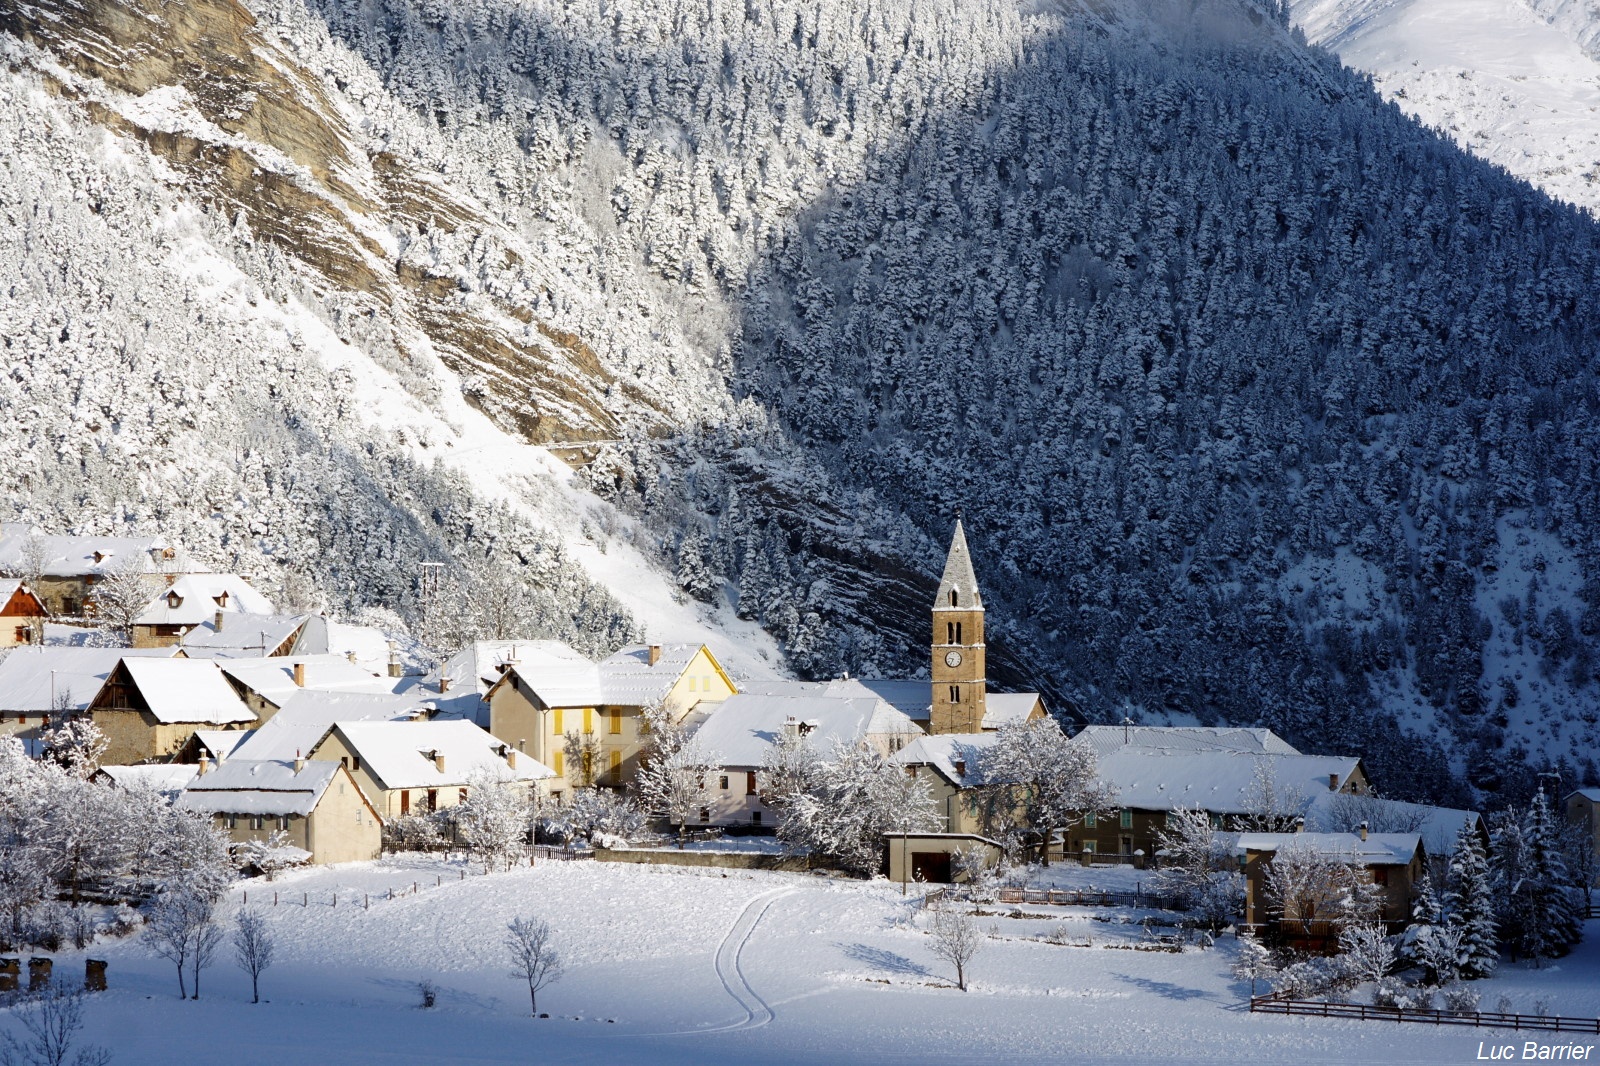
{"points": [[1264, 405], [1516, 82]]}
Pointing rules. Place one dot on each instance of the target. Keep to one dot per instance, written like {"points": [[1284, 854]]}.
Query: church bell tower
{"points": [[959, 674]]}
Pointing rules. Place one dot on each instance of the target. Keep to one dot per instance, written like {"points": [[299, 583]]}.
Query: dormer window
{"points": [[174, 601], [222, 600], [99, 557], [955, 598]]}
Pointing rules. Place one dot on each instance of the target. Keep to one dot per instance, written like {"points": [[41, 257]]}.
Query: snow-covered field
{"points": [[669, 965]]}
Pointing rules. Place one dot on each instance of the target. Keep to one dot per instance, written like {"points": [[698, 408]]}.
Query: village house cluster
{"points": [[312, 732]]}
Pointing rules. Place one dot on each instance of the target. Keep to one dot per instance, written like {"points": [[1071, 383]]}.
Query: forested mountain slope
{"points": [[1263, 404]]}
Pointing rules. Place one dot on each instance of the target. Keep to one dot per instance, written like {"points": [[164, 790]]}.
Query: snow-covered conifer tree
{"points": [[1471, 904]]}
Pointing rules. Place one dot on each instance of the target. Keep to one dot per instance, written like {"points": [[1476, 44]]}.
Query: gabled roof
{"points": [[944, 751], [480, 662], [32, 677], [73, 556], [556, 685], [914, 699], [250, 636], [273, 678], [304, 719], [628, 679], [399, 754], [259, 786], [186, 690], [1004, 708], [1379, 849], [196, 598], [10, 586], [1216, 781], [958, 577], [1590, 794], [166, 778], [746, 725], [1106, 739]]}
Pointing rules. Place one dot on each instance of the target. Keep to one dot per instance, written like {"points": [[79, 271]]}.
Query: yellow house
{"points": [[535, 704], [149, 708], [317, 804], [21, 614], [416, 767]]}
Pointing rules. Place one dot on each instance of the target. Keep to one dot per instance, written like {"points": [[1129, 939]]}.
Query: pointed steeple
{"points": [[958, 578]]}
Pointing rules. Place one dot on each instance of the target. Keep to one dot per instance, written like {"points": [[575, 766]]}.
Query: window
{"points": [[405, 802], [755, 817], [555, 797], [1216, 821], [722, 782], [1090, 820], [705, 814], [749, 782], [283, 823], [616, 721], [1088, 845], [255, 821], [461, 795], [955, 693], [958, 633], [1127, 818], [555, 719], [949, 632], [232, 821], [355, 762], [433, 799], [344, 761]]}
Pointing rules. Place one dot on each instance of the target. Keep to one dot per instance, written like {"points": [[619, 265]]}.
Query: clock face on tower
{"points": [[952, 658]]}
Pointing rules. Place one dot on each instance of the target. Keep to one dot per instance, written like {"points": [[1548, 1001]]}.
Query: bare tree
{"points": [[1196, 868], [75, 742], [252, 947], [50, 1025], [1270, 806], [675, 783], [1305, 883], [1349, 811], [582, 754], [1033, 767], [1370, 952], [534, 958], [181, 928], [956, 938], [121, 595], [495, 817]]}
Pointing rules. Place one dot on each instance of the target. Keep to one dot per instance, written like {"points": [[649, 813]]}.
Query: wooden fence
{"points": [[1283, 1003]]}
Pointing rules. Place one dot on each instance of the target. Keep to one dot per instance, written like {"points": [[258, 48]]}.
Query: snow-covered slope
{"points": [[1516, 82]]}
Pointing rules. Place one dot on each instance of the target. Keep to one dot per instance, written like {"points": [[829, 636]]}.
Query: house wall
{"points": [[18, 724], [389, 802], [21, 620], [1585, 812], [903, 850], [135, 736], [341, 828], [64, 595], [157, 636], [1398, 879]]}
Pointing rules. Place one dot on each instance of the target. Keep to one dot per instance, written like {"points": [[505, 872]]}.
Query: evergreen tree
{"points": [[1470, 903]]}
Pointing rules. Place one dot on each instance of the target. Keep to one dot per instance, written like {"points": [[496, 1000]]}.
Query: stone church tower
{"points": [[959, 675]]}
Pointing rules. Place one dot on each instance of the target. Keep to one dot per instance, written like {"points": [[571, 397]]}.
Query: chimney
{"points": [[791, 726], [438, 759], [511, 755], [444, 683], [1363, 830], [961, 767], [299, 761], [394, 659], [1300, 825], [205, 765], [1333, 782], [655, 654], [216, 620], [299, 675]]}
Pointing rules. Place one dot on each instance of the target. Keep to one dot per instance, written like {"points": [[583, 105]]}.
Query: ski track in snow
{"points": [[730, 968]]}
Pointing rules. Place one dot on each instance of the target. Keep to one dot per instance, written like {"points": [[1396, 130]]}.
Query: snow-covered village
{"points": [[799, 531]]}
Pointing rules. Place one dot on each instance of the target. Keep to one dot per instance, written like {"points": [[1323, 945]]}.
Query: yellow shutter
{"points": [[588, 719], [556, 718], [616, 762], [616, 720], [558, 767]]}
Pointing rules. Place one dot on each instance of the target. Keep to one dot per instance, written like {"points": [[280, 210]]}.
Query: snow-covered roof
{"points": [[221, 743], [166, 778], [1438, 826], [482, 660], [1590, 794], [186, 690], [1379, 849], [9, 587], [249, 635], [366, 646], [958, 577], [273, 678], [1109, 738], [559, 684], [31, 678], [196, 598], [628, 679], [911, 698], [305, 718], [1216, 781], [944, 751], [1004, 708], [401, 754], [746, 724], [259, 786], [73, 556]]}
